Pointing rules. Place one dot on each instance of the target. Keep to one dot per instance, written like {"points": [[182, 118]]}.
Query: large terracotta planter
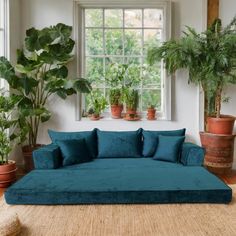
{"points": [[151, 114], [28, 159], [7, 174], [222, 125], [116, 111], [219, 152]]}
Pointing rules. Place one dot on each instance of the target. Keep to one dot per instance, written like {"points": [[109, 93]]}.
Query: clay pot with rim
{"points": [[116, 111], [131, 111], [151, 113], [7, 174], [95, 117], [222, 125], [28, 158]]}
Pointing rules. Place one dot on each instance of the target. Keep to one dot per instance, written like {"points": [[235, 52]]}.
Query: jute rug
{"points": [[125, 220]]}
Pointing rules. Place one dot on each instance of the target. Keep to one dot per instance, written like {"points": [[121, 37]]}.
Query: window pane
{"points": [[152, 76], [151, 97], [153, 18], [151, 38], [94, 42], [1, 14], [1, 43], [133, 18], [114, 44], [93, 18], [133, 60], [94, 71], [133, 42], [113, 18]]}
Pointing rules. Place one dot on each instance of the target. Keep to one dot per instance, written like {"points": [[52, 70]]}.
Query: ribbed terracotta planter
{"points": [[7, 174], [116, 111], [28, 158], [222, 125], [219, 152], [151, 114]]}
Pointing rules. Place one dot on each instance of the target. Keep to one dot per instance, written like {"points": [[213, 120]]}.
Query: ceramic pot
{"points": [[151, 114], [95, 117], [130, 111], [222, 125], [116, 111], [7, 174]]}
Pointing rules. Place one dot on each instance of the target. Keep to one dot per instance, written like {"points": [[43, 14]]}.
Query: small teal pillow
{"points": [[150, 139], [74, 151], [89, 136], [122, 144], [169, 148]]}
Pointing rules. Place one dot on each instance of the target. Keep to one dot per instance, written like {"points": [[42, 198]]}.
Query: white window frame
{"points": [[5, 31], [79, 5]]}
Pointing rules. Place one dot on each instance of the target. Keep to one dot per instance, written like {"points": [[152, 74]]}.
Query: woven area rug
{"points": [[125, 220]]}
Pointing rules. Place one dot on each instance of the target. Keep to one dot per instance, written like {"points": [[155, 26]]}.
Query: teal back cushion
{"points": [[89, 136], [74, 151], [121, 144], [169, 148], [150, 139]]}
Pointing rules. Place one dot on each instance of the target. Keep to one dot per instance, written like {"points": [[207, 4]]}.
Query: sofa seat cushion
{"points": [[117, 144], [110, 184]]}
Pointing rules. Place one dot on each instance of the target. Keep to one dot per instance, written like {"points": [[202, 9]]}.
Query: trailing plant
{"points": [[97, 103], [7, 125], [210, 58], [131, 98], [41, 72]]}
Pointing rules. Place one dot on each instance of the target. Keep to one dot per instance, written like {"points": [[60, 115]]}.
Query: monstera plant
{"points": [[41, 72]]}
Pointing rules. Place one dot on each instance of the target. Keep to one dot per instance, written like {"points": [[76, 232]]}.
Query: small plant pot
{"points": [[222, 125], [151, 114], [95, 117], [7, 174], [116, 111], [130, 111]]}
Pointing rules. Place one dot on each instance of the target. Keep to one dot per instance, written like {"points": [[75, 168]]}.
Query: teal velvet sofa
{"points": [[123, 168]]}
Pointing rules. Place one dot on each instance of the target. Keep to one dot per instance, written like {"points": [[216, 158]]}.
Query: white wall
{"points": [[185, 97]]}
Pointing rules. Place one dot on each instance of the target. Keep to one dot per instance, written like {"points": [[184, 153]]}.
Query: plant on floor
{"points": [[41, 72], [210, 58]]}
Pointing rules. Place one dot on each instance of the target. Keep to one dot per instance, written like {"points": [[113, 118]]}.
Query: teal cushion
{"points": [[74, 151], [119, 144], [168, 148], [150, 139], [89, 136]]}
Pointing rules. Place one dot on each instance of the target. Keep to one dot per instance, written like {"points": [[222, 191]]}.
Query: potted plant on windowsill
{"points": [[41, 72], [115, 98], [210, 58], [7, 125], [151, 112]]}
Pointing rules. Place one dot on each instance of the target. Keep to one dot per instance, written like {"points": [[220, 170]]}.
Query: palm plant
{"points": [[210, 58]]}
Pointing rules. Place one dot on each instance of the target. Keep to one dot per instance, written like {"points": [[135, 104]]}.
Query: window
{"points": [[120, 34], [3, 32]]}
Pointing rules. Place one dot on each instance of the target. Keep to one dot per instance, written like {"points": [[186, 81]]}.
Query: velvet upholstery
{"points": [[127, 180], [89, 136], [168, 148], [74, 151], [192, 155], [123, 144], [150, 139], [47, 157]]}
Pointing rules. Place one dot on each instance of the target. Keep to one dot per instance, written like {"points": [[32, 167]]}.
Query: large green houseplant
{"points": [[210, 58], [7, 128], [41, 71]]}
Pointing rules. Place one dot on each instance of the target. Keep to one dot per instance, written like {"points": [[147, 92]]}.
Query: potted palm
{"points": [[41, 72], [7, 125], [210, 58]]}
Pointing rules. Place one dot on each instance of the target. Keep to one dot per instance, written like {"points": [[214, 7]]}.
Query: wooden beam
{"points": [[212, 11]]}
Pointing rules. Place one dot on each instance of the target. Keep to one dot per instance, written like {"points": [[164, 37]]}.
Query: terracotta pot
{"points": [[95, 117], [130, 111], [116, 111], [28, 159], [7, 174], [151, 114], [219, 152], [222, 125]]}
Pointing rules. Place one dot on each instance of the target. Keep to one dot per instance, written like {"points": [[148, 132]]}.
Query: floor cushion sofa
{"points": [[104, 167]]}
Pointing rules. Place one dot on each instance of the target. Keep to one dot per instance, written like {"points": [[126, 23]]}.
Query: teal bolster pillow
{"points": [[119, 144], [169, 148], [150, 139], [89, 136], [74, 151]]}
